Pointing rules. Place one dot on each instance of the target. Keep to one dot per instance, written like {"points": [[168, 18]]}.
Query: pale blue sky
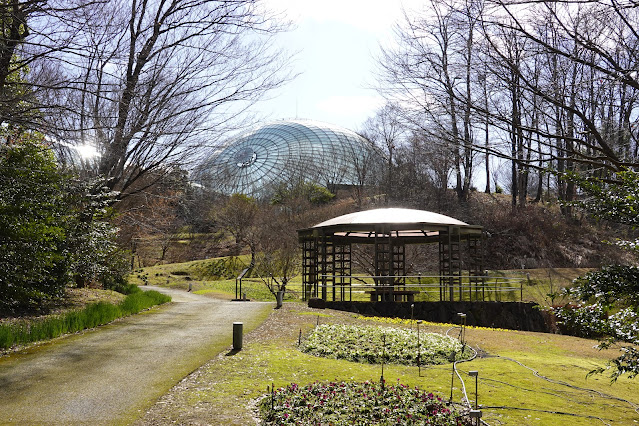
{"points": [[338, 43]]}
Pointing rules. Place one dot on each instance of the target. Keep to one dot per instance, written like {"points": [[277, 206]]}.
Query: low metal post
{"points": [[476, 414], [462, 323], [419, 351], [474, 374], [412, 311], [381, 379], [238, 330]]}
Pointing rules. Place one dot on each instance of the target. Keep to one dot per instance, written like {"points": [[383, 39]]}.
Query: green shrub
{"points": [[54, 228], [312, 192], [34, 265]]}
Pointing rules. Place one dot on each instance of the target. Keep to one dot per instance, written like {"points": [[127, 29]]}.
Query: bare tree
{"points": [[558, 89], [146, 83], [587, 53], [34, 33], [160, 79], [279, 258], [431, 72], [385, 130]]}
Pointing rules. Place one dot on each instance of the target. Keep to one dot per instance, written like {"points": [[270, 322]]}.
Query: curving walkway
{"points": [[110, 375]]}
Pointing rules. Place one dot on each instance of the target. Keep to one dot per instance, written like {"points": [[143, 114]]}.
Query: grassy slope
{"points": [[222, 391], [180, 275]]}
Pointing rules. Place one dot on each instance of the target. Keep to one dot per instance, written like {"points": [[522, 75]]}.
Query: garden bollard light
{"points": [[462, 321], [381, 379], [272, 396], [452, 375], [238, 329], [419, 352], [476, 414], [474, 374], [412, 311]]}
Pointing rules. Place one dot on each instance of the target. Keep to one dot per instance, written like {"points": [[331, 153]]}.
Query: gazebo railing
{"points": [[408, 288]]}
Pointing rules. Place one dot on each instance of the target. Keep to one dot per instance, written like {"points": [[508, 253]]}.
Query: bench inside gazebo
{"points": [[327, 249]]}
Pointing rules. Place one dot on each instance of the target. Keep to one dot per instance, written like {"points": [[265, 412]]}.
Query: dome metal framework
{"points": [[290, 151]]}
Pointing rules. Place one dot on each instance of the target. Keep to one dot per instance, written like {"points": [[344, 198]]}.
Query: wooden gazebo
{"points": [[327, 252]]}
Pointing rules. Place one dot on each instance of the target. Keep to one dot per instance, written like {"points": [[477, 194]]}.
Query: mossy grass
{"points": [[93, 315]]}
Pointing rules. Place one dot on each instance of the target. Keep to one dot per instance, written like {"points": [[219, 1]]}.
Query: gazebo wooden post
{"points": [[342, 267], [309, 267]]}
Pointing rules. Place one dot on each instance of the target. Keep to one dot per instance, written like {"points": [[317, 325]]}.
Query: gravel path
{"points": [[112, 374]]}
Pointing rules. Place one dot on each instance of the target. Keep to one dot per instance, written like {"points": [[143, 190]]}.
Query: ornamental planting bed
{"points": [[353, 403], [374, 345]]}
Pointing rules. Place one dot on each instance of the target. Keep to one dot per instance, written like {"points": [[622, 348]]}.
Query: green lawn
{"points": [[524, 378]]}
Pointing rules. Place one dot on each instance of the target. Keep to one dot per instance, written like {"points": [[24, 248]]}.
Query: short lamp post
{"points": [[381, 379], [476, 414], [474, 374], [419, 351], [412, 311], [462, 322]]}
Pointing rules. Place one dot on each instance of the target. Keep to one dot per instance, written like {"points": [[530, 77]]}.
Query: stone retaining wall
{"points": [[508, 315]]}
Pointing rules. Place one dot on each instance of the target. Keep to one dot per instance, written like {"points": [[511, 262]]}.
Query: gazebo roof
{"points": [[392, 216], [414, 226]]}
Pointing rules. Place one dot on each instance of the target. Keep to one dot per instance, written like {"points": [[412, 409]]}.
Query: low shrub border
{"points": [[353, 403], [374, 344], [92, 315]]}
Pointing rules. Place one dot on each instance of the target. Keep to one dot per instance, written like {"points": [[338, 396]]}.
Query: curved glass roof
{"points": [[288, 151]]}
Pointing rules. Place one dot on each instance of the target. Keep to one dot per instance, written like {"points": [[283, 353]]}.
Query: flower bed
{"points": [[344, 403], [366, 344]]}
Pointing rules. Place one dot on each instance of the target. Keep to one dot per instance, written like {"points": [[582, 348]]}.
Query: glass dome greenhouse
{"points": [[289, 152]]}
